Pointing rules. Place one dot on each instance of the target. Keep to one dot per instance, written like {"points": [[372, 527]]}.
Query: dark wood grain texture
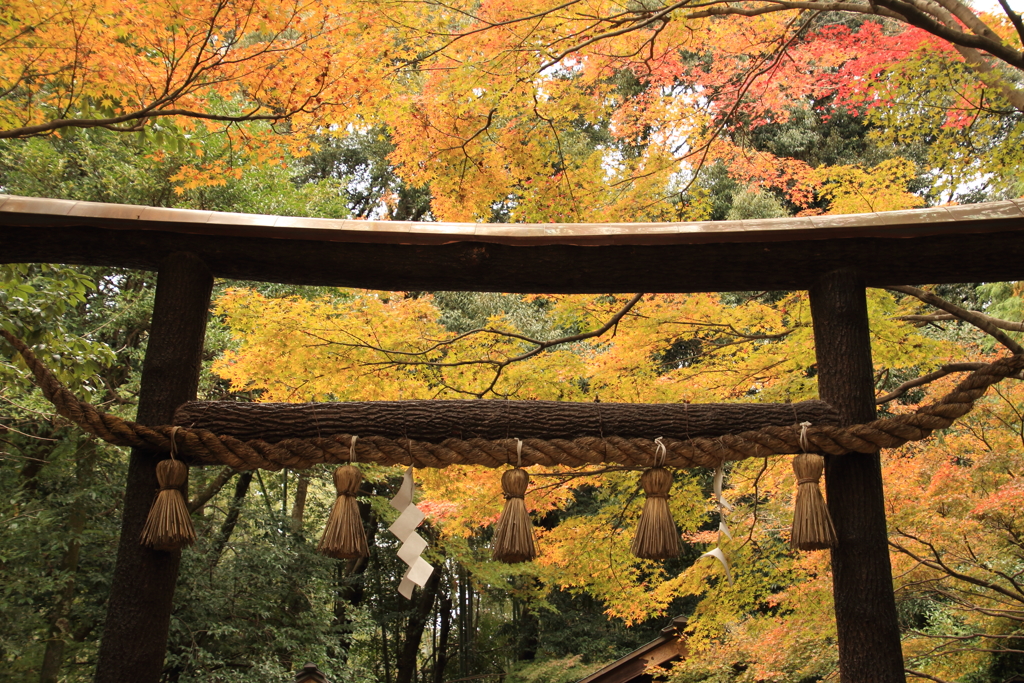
{"points": [[478, 266], [868, 631], [435, 421]]}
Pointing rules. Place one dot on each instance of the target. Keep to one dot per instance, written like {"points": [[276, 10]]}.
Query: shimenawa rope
{"points": [[203, 446]]}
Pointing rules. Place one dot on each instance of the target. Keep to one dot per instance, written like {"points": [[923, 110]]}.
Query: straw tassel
{"points": [[656, 535], [513, 539], [169, 526], [344, 537], [812, 525]]}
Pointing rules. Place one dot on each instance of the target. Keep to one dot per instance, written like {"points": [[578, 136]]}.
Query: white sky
{"points": [[993, 5]]}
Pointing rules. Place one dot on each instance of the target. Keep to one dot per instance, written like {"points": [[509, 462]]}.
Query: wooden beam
{"points": [[469, 266], [435, 421], [868, 631], [939, 220], [139, 611], [967, 247]]}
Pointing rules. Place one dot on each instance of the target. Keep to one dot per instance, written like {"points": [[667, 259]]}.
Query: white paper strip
{"points": [[719, 477], [720, 556], [723, 528], [413, 544]]}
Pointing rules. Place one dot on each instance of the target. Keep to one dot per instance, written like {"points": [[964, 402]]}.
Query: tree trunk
{"points": [[444, 632], [199, 501], [350, 579], [299, 507], [527, 633], [414, 629], [142, 591], [869, 636], [436, 421], [231, 519], [466, 623], [387, 655]]}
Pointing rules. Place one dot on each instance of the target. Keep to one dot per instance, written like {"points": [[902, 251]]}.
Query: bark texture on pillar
{"points": [[139, 610], [869, 637]]}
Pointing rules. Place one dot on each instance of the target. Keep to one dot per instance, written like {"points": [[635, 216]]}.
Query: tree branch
{"points": [[981, 321], [498, 365], [1010, 325], [137, 119], [1014, 18], [903, 12], [939, 565], [918, 674], [212, 489], [947, 369], [970, 636]]}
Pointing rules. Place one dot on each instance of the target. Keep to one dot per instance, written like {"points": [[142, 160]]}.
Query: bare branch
{"points": [[925, 319], [939, 565], [640, 22], [539, 345], [918, 674], [905, 12], [980, 321], [1014, 17], [214, 487], [931, 377], [136, 120], [970, 636]]}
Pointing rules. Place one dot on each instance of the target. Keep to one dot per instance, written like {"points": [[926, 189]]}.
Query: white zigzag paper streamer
{"points": [[413, 544], [720, 556], [723, 504], [723, 528]]}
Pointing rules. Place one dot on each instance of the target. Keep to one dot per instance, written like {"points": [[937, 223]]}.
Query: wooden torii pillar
{"points": [[865, 606], [134, 641]]}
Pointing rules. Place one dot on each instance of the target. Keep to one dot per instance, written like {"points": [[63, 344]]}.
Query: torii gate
{"points": [[834, 257]]}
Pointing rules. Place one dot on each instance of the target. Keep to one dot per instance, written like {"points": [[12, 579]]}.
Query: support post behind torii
{"points": [[139, 610], [865, 607]]}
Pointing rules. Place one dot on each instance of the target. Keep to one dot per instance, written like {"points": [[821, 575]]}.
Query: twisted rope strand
{"points": [[203, 446]]}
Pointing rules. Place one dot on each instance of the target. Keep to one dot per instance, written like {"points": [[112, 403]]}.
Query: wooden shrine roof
{"points": [[944, 244], [668, 647]]}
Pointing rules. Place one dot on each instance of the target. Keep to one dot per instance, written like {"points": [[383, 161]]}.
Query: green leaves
{"points": [[35, 303]]}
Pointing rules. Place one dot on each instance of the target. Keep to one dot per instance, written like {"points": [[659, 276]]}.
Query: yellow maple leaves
{"points": [[851, 189], [955, 495]]}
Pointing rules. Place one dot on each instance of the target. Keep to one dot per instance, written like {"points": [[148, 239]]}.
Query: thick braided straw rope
{"points": [[203, 446]]}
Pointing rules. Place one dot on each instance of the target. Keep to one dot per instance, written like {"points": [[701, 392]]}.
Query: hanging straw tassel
{"points": [[656, 535], [812, 525], [169, 526], [344, 537], [513, 539]]}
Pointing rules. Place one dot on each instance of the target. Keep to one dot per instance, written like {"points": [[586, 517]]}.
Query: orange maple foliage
{"points": [[956, 521], [166, 67], [552, 112]]}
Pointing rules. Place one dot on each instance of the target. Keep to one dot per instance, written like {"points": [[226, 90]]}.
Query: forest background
{"points": [[484, 111]]}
